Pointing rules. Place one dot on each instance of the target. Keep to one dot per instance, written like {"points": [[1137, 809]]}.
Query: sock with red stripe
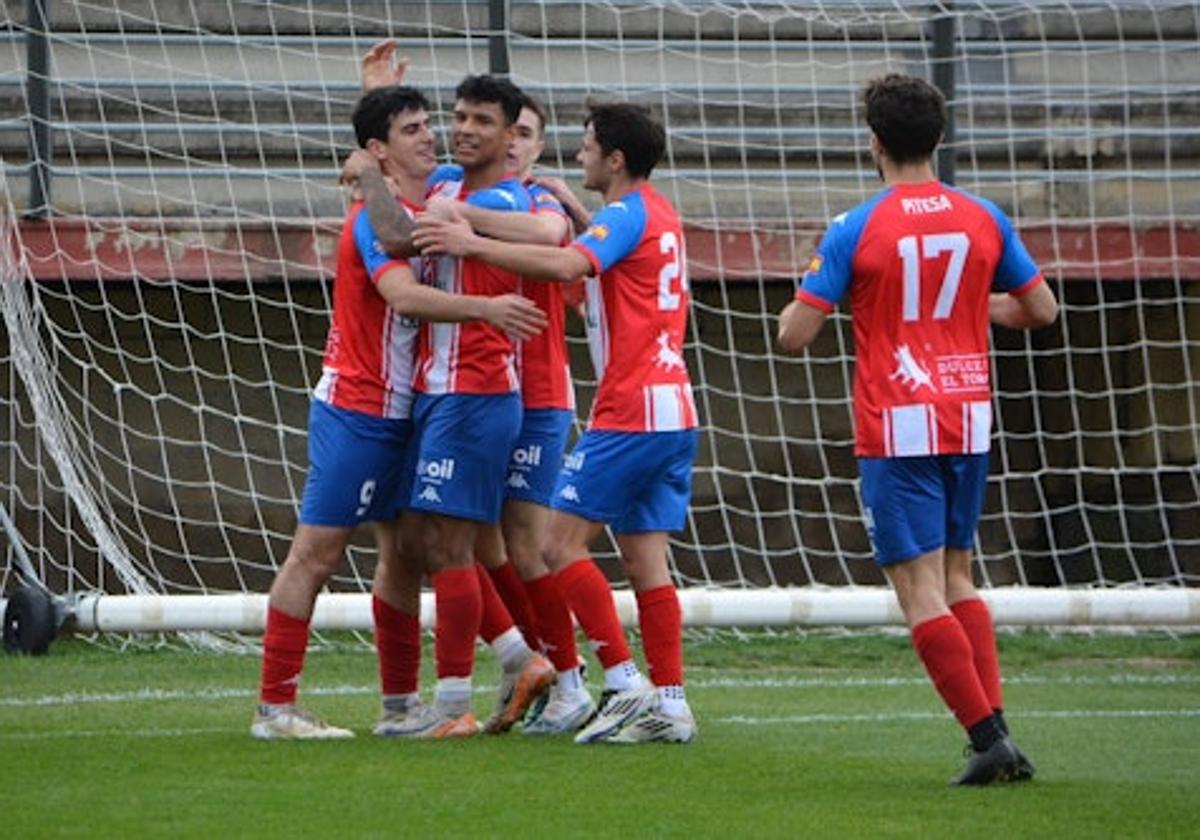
{"points": [[398, 644], [946, 653], [976, 621], [661, 621], [588, 595], [284, 645], [459, 612], [555, 626], [516, 599]]}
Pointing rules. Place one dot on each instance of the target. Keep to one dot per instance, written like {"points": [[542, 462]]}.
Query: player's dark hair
{"points": [[532, 104], [377, 108], [486, 88], [633, 130], [907, 114]]}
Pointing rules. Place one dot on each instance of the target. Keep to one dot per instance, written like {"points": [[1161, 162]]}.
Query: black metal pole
{"points": [[945, 63], [498, 37], [37, 93]]}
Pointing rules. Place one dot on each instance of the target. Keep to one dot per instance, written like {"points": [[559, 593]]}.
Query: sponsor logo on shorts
{"points": [[574, 461], [527, 456], [517, 481], [570, 493], [440, 470]]}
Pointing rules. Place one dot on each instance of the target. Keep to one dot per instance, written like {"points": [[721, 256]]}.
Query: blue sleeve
{"points": [[506, 195], [614, 232], [444, 172], [828, 275], [369, 248], [1016, 267]]}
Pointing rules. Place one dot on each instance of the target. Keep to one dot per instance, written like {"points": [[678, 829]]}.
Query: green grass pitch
{"points": [[801, 735]]}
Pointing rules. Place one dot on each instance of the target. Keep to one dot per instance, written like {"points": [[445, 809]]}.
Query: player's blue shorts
{"points": [[355, 466], [538, 455], [917, 505], [634, 481], [463, 446]]}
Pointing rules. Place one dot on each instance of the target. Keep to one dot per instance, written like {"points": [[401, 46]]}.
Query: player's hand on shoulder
{"points": [[516, 315], [359, 161], [381, 68], [441, 208]]}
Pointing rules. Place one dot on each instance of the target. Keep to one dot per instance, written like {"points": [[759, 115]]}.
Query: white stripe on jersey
{"points": [[910, 430], [441, 369], [669, 407], [977, 427], [400, 367], [597, 326], [326, 385]]}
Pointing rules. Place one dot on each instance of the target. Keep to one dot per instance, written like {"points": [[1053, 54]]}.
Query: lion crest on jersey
{"points": [[667, 357], [911, 373]]}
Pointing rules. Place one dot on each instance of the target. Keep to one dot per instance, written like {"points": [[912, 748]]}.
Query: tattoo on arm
{"points": [[393, 226]]}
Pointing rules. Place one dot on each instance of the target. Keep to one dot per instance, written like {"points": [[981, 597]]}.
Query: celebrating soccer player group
{"points": [[445, 404]]}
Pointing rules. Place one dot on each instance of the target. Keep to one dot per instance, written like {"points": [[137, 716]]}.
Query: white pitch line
{"points": [[153, 695], [736, 720], [900, 717]]}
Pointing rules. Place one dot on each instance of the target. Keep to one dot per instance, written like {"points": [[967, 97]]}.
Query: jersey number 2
{"points": [[668, 299], [932, 246]]}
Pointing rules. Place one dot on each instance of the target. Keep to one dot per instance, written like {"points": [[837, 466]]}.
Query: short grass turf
{"points": [[800, 735]]}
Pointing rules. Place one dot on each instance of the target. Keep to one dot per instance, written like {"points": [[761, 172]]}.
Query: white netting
{"points": [[163, 330]]}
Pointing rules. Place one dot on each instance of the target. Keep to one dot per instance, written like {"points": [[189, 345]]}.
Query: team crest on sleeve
{"points": [[597, 232], [544, 198], [814, 265]]}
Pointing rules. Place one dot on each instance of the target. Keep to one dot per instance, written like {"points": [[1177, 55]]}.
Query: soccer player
{"points": [[468, 416], [521, 576], [359, 418], [632, 467], [926, 265]]}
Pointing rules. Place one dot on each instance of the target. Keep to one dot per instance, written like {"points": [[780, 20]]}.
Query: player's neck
{"points": [[411, 189], [622, 185], [909, 173], [484, 175]]}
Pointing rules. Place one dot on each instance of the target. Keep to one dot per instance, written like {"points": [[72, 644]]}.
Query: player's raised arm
{"points": [[381, 67], [534, 228], [454, 236]]}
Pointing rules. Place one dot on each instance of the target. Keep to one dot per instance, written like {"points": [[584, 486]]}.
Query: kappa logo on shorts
{"points": [[517, 481], [570, 493], [430, 496]]}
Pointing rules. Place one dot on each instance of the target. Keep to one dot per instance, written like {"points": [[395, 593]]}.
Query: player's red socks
{"points": [[587, 593], [494, 619], [284, 645], [661, 620], [946, 653], [398, 643], [554, 623], [459, 612], [516, 600], [976, 621]]}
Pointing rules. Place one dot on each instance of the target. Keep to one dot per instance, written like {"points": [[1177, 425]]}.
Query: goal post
{"points": [[164, 316]]}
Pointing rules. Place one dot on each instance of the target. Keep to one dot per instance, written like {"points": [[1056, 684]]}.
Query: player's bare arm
{"points": [[534, 228], [381, 67], [581, 217], [1036, 308], [512, 313], [392, 225], [799, 323], [454, 236]]}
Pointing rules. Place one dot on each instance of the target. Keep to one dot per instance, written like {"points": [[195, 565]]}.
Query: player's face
{"points": [[596, 174], [527, 144], [480, 136], [411, 147]]}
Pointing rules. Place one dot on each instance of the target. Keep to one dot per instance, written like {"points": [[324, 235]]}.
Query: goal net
{"points": [[170, 212]]}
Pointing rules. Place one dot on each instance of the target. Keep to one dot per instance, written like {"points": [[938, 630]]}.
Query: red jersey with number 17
{"points": [[919, 261], [639, 299]]}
